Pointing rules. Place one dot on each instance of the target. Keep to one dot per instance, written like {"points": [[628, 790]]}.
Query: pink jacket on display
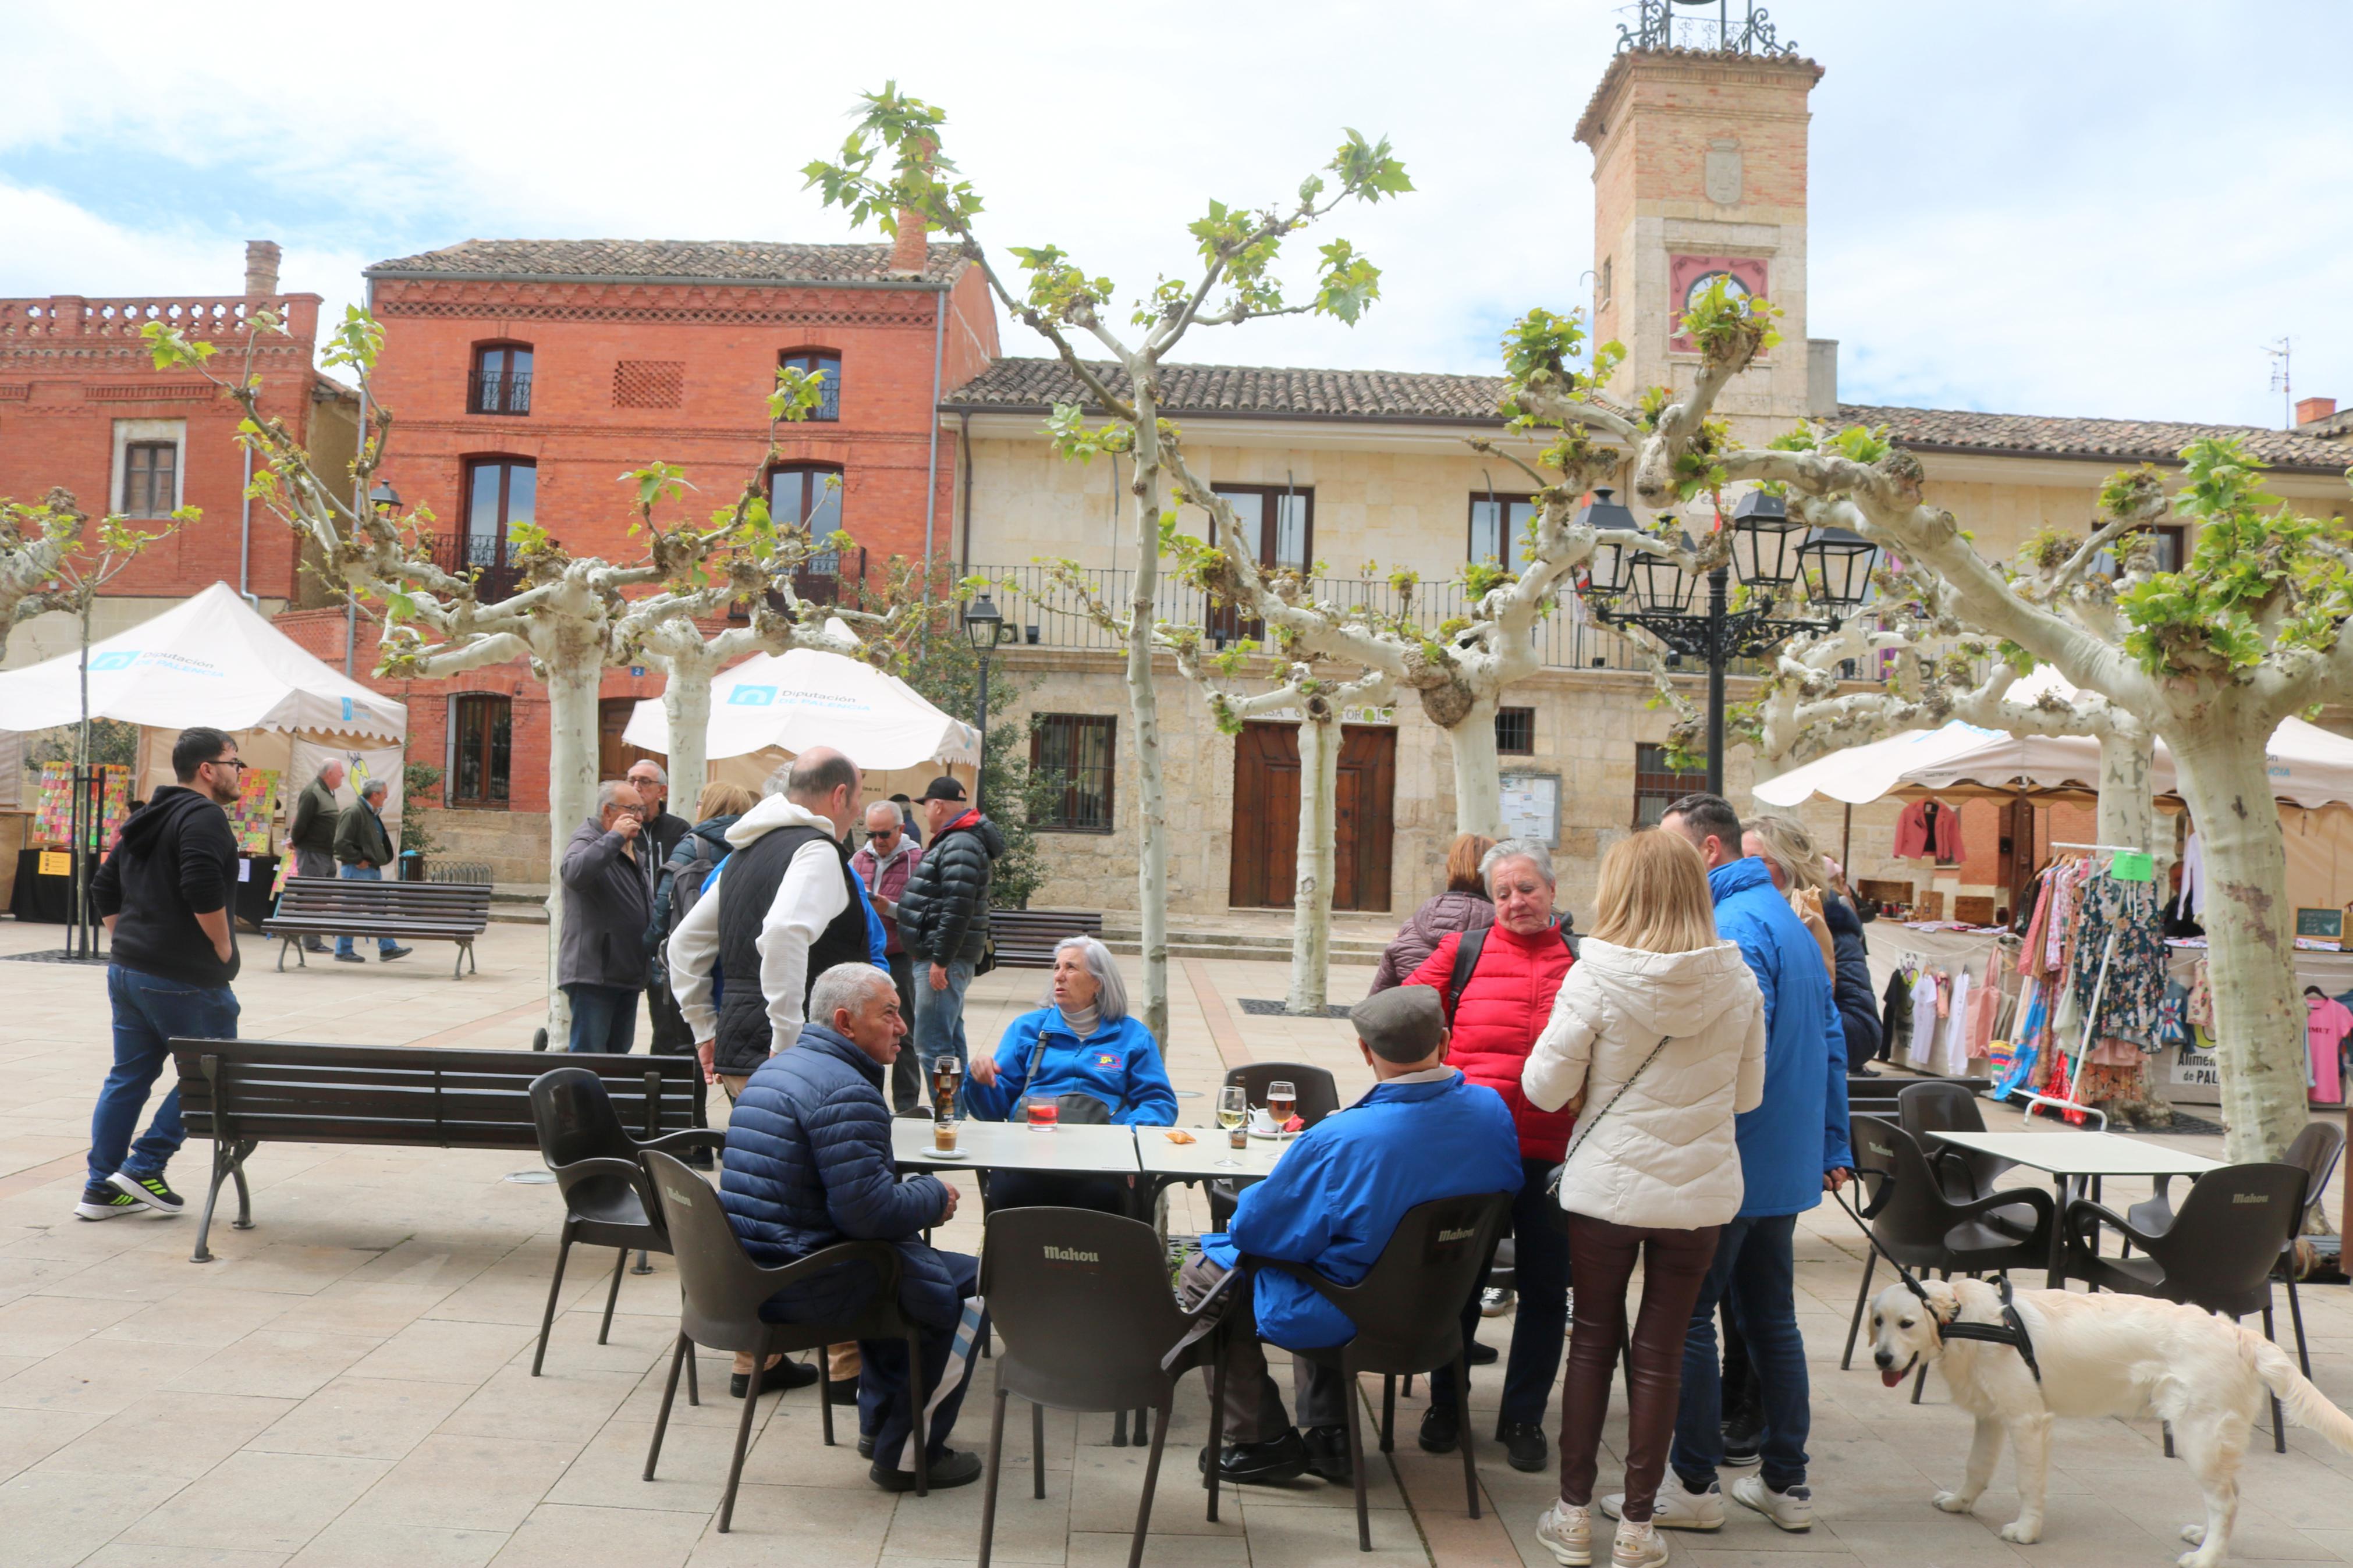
{"points": [[1929, 829]]}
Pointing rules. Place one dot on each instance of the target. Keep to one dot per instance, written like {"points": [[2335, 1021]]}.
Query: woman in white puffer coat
{"points": [[1658, 1037]]}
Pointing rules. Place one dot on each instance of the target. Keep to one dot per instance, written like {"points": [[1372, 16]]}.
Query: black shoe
{"points": [[866, 1444], [386, 955], [842, 1391], [1327, 1453], [1267, 1464], [1439, 1430], [148, 1191], [786, 1373], [1523, 1444], [949, 1468], [99, 1200], [316, 947], [1481, 1354], [1743, 1431], [349, 958]]}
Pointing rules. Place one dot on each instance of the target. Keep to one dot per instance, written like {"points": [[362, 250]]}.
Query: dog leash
{"points": [[2011, 1331]]}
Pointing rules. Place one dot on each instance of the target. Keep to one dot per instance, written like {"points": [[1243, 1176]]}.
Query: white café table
{"points": [[2069, 1158], [1198, 1161], [1014, 1146]]}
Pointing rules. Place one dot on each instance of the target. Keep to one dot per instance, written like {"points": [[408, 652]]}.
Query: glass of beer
{"points": [[1233, 1111], [1281, 1097], [1043, 1112], [946, 1072]]}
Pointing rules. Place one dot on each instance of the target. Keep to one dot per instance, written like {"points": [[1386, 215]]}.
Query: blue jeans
{"points": [[1753, 1269], [604, 1019], [1540, 1267], [883, 1378], [148, 1011], [939, 1014], [383, 944]]}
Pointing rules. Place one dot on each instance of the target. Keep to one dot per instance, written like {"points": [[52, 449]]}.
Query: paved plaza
{"points": [[349, 1383]]}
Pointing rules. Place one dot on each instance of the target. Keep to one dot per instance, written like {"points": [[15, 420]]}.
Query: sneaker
{"points": [[1267, 1464], [949, 1468], [786, 1373], [1523, 1444], [99, 1200], [1675, 1509], [388, 955], [1327, 1453], [1567, 1531], [316, 947], [1743, 1433], [1569, 1314], [866, 1444], [349, 958], [149, 1191], [1480, 1355], [1639, 1545], [1439, 1430], [1792, 1510], [1495, 1303]]}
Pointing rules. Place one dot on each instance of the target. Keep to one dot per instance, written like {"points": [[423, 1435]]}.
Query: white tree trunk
{"points": [[686, 707], [1478, 776], [1311, 902], [2259, 1035], [572, 687], [1144, 705]]}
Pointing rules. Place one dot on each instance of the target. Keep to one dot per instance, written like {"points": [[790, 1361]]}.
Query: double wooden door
{"points": [[1265, 871]]}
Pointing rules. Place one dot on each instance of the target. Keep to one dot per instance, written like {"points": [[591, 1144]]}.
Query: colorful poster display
{"points": [[256, 808], [53, 820]]}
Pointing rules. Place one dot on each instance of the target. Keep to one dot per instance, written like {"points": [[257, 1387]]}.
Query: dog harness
{"points": [[2011, 1331]]}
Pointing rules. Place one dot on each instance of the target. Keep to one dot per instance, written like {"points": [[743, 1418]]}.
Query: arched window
{"points": [[500, 382], [806, 493], [822, 363]]}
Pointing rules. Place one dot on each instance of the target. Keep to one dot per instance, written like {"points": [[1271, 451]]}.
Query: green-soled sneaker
{"points": [[148, 1191]]}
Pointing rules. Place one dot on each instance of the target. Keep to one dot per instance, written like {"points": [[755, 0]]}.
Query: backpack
{"points": [[678, 887], [1466, 959]]}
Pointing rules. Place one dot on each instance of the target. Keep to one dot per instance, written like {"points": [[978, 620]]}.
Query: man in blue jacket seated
{"points": [[1084, 1042], [808, 1164], [1422, 1133]]}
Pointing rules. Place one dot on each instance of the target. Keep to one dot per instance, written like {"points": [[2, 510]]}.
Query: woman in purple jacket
{"points": [[1463, 907]]}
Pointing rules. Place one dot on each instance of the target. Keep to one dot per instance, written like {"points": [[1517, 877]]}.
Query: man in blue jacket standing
{"points": [[808, 1164], [1793, 1147], [1422, 1133]]}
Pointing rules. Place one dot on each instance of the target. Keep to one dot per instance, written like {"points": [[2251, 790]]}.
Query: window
{"points": [[1497, 523], [500, 383], [1073, 752], [500, 492], [1516, 731], [1658, 784], [808, 494], [481, 742], [2172, 545], [823, 362], [150, 479], [1603, 291], [1277, 522]]}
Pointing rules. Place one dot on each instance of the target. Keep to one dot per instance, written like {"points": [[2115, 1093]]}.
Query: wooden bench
{"points": [[421, 911], [244, 1093], [1025, 939]]}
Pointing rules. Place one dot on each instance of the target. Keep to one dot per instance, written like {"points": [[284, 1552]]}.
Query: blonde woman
{"points": [[1802, 873], [1657, 1037]]}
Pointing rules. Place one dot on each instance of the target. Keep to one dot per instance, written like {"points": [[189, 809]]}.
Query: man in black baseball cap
{"points": [[944, 915]]}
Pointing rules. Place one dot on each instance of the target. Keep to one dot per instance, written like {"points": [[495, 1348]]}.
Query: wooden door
{"points": [[616, 757], [1265, 863]]}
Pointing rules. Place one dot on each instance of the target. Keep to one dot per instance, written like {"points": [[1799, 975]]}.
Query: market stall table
{"points": [[2070, 1157], [1015, 1146]]}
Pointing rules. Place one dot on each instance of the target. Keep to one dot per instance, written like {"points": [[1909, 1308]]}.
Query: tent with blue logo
{"points": [[789, 702]]}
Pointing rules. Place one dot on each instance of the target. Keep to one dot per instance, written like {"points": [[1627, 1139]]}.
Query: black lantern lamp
{"points": [[1662, 586], [1606, 571], [982, 624], [1837, 565], [1765, 540], [384, 498]]}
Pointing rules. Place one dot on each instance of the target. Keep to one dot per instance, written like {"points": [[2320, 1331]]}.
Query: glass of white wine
{"points": [[1233, 1110]]}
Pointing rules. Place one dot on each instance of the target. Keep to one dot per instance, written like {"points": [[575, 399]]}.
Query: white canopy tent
{"points": [[789, 702]]}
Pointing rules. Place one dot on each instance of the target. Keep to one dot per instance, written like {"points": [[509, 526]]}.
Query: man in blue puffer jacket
{"points": [[1793, 1147], [808, 1164]]}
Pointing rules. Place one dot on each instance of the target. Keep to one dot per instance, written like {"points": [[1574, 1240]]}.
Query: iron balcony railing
{"points": [[826, 577], [495, 576], [499, 392]]}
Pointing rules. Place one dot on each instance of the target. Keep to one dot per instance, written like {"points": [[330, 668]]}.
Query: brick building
{"points": [[525, 376], [82, 406]]}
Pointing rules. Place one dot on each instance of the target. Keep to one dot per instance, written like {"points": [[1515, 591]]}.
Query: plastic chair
{"points": [[1408, 1311], [1921, 1227], [1081, 1301], [606, 1199], [2216, 1254], [724, 1292], [1922, 1108], [1319, 1097]]}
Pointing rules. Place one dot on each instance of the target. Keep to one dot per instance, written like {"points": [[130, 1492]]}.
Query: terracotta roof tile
{"points": [[2104, 440], [1253, 391], [720, 261]]}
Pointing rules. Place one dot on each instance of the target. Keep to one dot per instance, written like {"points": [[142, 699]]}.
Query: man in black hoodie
{"points": [[164, 895]]}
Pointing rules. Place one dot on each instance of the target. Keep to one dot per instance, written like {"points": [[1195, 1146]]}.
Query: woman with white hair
{"points": [[1083, 1041]]}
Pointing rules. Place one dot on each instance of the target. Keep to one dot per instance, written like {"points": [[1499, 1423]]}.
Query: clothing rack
{"points": [[2092, 1015]]}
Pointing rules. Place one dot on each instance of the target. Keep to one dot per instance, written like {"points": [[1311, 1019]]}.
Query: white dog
{"points": [[2100, 1355]]}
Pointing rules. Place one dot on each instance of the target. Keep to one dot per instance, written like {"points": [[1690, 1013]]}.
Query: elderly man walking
{"points": [[600, 960], [363, 847], [884, 863], [311, 834]]}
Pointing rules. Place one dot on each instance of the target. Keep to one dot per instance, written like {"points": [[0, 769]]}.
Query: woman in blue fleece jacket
{"points": [[1084, 1043]]}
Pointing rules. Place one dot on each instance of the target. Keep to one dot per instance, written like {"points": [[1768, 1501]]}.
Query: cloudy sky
{"points": [[2068, 207]]}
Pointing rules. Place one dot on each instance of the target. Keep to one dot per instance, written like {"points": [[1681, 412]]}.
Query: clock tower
{"points": [[1699, 171]]}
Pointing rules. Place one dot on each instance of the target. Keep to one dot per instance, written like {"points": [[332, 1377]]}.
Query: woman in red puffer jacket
{"points": [[1503, 1006]]}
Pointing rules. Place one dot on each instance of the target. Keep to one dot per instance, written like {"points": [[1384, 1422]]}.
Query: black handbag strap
{"points": [[1466, 959]]}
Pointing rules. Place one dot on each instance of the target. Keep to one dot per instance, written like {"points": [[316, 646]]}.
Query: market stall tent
{"points": [[785, 703]]}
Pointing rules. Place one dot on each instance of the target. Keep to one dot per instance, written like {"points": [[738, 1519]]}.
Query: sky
{"points": [[2067, 207]]}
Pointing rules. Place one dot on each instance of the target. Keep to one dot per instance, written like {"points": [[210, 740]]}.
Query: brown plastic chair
{"points": [[1408, 1311], [1081, 1300], [724, 1292], [607, 1201], [1922, 1108], [1319, 1097]]}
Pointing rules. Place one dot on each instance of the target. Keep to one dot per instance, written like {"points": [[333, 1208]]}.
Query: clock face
{"points": [[1734, 288], [1689, 276]]}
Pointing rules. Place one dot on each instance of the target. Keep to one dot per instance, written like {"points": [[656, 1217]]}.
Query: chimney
{"points": [[912, 248], [2313, 410], [261, 269]]}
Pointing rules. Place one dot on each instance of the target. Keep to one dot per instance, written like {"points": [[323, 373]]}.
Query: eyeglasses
{"points": [[237, 762], [885, 833]]}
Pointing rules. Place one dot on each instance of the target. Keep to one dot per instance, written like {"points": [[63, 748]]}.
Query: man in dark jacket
{"points": [[163, 893], [944, 915], [808, 1164], [311, 833], [600, 956], [652, 784], [365, 849], [883, 864]]}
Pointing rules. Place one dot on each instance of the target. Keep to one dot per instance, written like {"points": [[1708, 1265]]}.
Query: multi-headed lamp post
{"points": [[1776, 560]]}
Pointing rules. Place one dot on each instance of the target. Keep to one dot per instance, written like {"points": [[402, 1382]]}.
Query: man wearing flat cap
{"points": [[1422, 1133]]}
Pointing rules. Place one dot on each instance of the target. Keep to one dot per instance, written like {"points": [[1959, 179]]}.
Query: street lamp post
{"points": [[984, 628], [1776, 558]]}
